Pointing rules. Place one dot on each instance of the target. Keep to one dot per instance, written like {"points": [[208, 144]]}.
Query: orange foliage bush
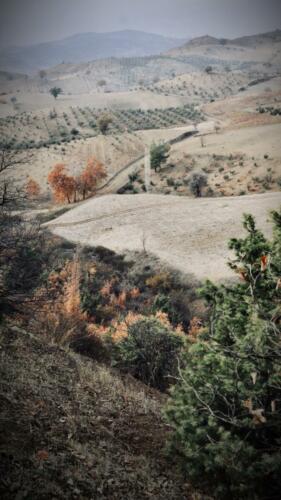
{"points": [[118, 330], [120, 300], [60, 317], [32, 188], [57, 308], [195, 328]]}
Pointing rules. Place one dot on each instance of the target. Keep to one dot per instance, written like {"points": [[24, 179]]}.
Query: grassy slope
{"points": [[72, 429]]}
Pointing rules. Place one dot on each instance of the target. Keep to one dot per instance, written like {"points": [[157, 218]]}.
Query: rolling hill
{"points": [[255, 51], [85, 47], [245, 41]]}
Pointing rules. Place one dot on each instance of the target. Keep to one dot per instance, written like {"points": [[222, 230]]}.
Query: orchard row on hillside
{"points": [[27, 130]]}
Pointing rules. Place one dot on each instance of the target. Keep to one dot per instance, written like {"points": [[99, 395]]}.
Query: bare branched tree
{"points": [[11, 194]]}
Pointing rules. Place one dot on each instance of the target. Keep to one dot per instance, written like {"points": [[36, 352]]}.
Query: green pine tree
{"points": [[225, 411]]}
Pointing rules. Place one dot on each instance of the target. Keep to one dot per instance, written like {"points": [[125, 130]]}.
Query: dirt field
{"points": [[190, 235]]}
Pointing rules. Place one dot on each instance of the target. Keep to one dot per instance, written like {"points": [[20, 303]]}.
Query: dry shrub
{"points": [[57, 307], [118, 330], [119, 300], [105, 291], [57, 312], [32, 188], [161, 281], [195, 328], [134, 293]]}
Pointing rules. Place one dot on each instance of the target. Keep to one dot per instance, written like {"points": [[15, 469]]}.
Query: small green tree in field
{"points": [[103, 123], [196, 184], [208, 70], [159, 154], [55, 91], [226, 409]]}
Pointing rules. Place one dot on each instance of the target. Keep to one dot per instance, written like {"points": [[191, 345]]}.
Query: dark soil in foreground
{"points": [[71, 428]]}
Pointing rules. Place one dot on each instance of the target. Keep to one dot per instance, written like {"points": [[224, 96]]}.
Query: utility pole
{"points": [[147, 169]]}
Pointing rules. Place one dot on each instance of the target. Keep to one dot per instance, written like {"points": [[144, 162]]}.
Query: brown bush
{"points": [[161, 281]]}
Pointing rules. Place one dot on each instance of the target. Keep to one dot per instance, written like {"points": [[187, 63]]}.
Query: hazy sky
{"points": [[32, 21]]}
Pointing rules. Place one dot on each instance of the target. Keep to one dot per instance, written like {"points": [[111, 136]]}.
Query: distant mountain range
{"points": [[88, 47], [85, 47]]}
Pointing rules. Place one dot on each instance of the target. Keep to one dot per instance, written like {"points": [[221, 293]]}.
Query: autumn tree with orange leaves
{"points": [[89, 179], [32, 188], [68, 188], [62, 184]]}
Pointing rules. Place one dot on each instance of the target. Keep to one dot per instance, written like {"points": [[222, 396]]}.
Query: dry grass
{"points": [[73, 429]]}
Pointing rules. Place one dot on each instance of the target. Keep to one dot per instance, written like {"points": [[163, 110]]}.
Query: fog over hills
{"points": [[85, 47]]}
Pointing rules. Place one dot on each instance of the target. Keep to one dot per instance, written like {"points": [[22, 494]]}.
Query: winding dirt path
{"points": [[119, 179]]}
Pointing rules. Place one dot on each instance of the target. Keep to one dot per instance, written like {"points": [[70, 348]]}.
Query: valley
{"points": [[140, 196]]}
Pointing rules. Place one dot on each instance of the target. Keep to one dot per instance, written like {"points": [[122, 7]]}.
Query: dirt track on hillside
{"points": [[190, 235]]}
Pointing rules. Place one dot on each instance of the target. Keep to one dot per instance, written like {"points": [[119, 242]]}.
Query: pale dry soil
{"points": [[190, 235], [245, 160]]}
